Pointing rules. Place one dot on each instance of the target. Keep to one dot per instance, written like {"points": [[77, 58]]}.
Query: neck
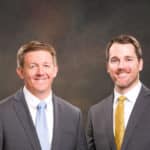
{"points": [[124, 90]]}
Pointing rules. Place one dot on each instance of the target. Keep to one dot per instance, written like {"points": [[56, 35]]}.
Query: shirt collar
{"points": [[33, 101], [131, 95]]}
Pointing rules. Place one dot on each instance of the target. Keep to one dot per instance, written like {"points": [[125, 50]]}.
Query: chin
{"points": [[122, 86]]}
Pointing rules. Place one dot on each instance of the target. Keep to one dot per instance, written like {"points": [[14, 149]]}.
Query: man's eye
{"points": [[47, 66], [32, 66], [114, 60], [129, 59]]}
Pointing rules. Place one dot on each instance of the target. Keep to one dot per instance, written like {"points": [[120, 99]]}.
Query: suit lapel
{"points": [[140, 106], [23, 115], [57, 121], [109, 121]]}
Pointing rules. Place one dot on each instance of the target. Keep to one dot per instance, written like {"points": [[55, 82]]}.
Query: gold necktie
{"points": [[119, 122]]}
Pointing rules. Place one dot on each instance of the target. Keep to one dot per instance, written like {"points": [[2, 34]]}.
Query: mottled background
{"points": [[79, 30]]}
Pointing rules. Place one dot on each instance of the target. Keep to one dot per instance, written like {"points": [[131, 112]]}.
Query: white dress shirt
{"points": [[32, 103], [129, 102]]}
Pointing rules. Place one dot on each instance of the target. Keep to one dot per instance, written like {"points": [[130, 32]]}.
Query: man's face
{"points": [[38, 72], [123, 66]]}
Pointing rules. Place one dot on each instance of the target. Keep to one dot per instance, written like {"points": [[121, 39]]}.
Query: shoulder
{"points": [[64, 104], [8, 101], [145, 89], [102, 104]]}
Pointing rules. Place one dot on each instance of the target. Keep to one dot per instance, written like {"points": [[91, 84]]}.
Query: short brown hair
{"points": [[34, 46], [125, 39]]}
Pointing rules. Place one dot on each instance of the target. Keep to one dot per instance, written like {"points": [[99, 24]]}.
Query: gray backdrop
{"points": [[79, 30]]}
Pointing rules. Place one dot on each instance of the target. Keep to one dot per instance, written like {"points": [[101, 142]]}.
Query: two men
{"points": [[19, 128], [124, 63], [37, 67]]}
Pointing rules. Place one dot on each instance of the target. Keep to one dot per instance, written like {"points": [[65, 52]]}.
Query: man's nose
{"points": [[40, 70], [121, 64]]}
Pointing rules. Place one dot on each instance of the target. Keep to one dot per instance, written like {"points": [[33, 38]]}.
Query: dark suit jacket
{"points": [[100, 125], [17, 131]]}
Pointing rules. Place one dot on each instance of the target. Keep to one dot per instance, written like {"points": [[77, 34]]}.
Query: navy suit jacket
{"points": [[17, 131], [100, 134]]}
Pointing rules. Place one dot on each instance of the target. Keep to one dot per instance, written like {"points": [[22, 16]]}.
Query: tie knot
{"points": [[41, 106], [122, 98]]}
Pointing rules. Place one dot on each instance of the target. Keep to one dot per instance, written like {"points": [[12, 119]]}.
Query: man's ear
{"points": [[19, 72], [141, 64], [107, 68], [55, 71]]}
